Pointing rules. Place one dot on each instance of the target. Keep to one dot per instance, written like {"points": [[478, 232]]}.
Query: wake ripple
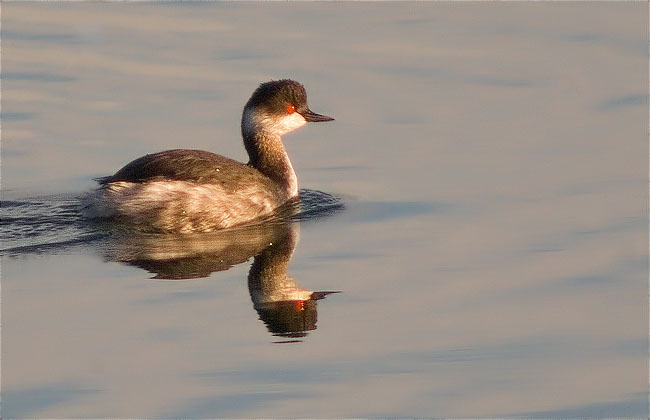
{"points": [[54, 223]]}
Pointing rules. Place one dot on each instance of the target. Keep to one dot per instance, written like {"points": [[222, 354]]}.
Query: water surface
{"points": [[490, 253]]}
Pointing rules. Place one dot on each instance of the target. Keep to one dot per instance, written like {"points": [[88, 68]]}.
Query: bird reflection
{"points": [[287, 310]]}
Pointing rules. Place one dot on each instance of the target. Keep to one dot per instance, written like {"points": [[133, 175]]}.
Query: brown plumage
{"points": [[184, 190]]}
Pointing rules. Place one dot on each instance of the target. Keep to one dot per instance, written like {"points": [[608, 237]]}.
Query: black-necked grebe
{"points": [[196, 191]]}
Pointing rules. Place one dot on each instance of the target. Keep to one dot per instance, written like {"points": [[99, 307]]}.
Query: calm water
{"points": [[489, 248]]}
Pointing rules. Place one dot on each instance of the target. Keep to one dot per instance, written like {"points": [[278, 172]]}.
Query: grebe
{"points": [[187, 191]]}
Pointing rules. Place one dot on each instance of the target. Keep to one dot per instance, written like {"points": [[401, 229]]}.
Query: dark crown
{"points": [[274, 96]]}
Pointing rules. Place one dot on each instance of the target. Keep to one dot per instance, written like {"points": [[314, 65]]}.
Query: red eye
{"points": [[291, 109]]}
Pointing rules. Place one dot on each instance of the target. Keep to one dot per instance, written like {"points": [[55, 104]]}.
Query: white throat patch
{"points": [[290, 123], [276, 126]]}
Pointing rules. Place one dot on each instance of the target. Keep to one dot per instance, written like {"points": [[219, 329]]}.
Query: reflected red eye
{"points": [[291, 109]]}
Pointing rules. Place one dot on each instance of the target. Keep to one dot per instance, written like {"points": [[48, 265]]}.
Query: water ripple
{"points": [[54, 223]]}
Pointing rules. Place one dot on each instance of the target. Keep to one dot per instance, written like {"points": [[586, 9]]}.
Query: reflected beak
{"points": [[314, 117]]}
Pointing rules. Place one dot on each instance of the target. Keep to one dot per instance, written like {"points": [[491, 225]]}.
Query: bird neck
{"points": [[267, 154]]}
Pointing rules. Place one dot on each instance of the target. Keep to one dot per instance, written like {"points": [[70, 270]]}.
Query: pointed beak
{"points": [[311, 116]]}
